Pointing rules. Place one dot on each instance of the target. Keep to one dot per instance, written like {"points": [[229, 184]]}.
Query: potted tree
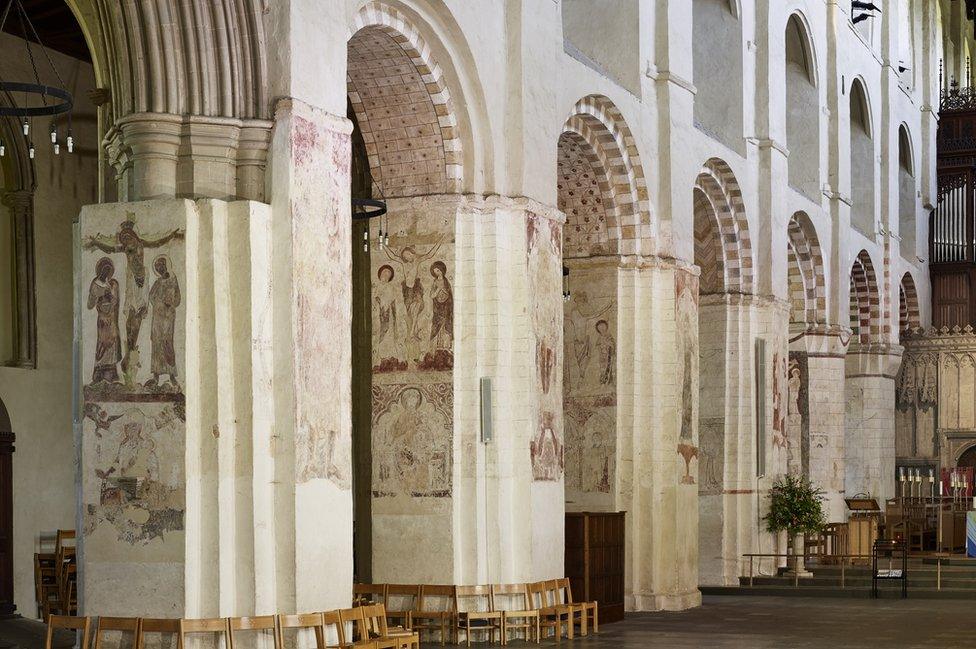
{"points": [[795, 507]]}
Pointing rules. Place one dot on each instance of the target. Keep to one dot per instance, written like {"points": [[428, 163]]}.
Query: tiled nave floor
{"points": [[742, 623]]}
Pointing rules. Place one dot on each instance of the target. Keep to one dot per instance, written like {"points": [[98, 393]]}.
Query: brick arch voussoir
{"points": [[392, 22]]}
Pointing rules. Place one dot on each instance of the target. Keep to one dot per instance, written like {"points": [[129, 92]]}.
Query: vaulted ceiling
{"points": [[55, 24]]}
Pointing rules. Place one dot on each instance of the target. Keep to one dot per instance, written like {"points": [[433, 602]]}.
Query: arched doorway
{"points": [[967, 459]]}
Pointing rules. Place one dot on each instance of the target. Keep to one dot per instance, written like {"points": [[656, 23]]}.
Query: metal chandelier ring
{"points": [[63, 106], [371, 208]]}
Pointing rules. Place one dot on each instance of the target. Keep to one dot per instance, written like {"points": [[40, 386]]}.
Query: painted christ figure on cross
{"points": [[133, 245]]}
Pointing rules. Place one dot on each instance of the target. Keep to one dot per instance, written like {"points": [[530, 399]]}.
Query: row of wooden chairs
{"points": [[56, 577], [367, 623], [449, 611]]}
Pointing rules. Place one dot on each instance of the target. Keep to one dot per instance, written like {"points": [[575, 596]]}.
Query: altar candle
{"points": [[901, 474], [940, 488]]}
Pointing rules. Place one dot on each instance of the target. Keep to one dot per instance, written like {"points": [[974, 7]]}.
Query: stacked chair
{"points": [[56, 577], [489, 612]]}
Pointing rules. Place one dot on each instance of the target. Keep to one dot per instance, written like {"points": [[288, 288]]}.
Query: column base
{"points": [[648, 602]]}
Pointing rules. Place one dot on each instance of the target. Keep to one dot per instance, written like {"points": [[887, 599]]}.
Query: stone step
{"points": [[886, 591]]}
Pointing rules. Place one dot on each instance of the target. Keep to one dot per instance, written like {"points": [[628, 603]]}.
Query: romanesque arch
{"points": [[403, 106], [611, 151], [722, 230], [908, 306], [179, 58], [805, 275], [865, 301]]}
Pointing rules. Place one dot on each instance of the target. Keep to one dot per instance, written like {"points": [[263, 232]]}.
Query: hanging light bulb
{"points": [[71, 143], [54, 134], [3, 149], [31, 151], [57, 149], [365, 240], [26, 127]]}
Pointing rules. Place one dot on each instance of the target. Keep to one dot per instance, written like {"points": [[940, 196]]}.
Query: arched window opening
{"points": [[717, 37], [802, 111], [862, 162], [907, 210]]}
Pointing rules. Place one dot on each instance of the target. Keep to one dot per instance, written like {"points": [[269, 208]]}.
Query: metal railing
{"points": [[842, 561]]}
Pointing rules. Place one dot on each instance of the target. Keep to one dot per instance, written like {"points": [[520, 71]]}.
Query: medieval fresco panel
{"points": [[412, 306], [590, 382], [797, 425], [686, 317], [412, 437], [543, 247], [133, 352]]}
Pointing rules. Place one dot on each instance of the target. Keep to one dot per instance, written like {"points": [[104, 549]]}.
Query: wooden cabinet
{"points": [[595, 560]]}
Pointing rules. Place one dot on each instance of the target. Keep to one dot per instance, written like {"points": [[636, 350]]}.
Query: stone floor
{"points": [[742, 623]]}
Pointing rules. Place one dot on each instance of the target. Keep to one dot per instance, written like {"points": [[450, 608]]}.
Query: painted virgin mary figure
{"points": [[103, 297], [442, 298], [164, 297]]}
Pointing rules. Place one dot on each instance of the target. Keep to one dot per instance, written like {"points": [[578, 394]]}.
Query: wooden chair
{"points": [[435, 612], [117, 624], [517, 612], [162, 626], [214, 626], [476, 612], [558, 600], [378, 630], [310, 622], [68, 623], [332, 621], [254, 624], [368, 594], [401, 602], [551, 616], [354, 618], [589, 611], [46, 584]]}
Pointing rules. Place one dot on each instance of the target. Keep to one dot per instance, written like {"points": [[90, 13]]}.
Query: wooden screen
{"points": [[595, 560]]}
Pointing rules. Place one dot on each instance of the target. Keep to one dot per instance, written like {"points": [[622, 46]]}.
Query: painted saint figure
{"points": [[442, 299], [164, 297], [581, 314], [385, 313], [130, 243], [606, 353], [103, 297]]}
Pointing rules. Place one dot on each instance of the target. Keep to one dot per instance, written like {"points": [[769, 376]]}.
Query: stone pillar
{"points": [[446, 505], [870, 420], [215, 464], [21, 205], [816, 412], [658, 433]]}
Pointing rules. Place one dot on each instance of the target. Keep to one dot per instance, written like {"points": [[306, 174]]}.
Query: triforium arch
{"points": [[610, 149], [865, 301], [908, 307], [722, 245], [805, 276], [408, 121]]}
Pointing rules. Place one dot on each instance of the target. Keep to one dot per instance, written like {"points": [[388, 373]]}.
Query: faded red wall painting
{"points": [[686, 316], [544, 266]]}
